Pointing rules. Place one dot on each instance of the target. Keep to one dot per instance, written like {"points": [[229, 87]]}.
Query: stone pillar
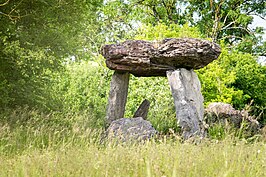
{"points": [[186, 91], [143, 109], [117, 96]]}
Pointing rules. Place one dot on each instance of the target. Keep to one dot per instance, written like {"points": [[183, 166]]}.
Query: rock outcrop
{"points": [[225, 113], [144, 58], [130, 129]]}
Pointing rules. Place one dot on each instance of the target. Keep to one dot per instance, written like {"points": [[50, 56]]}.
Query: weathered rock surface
{"points": [[143, 109], [186, 91], [130, 129], [117, 96], [223, 112], [143, 58]]}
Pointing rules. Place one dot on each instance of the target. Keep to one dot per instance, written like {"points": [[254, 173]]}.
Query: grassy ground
{"points": [[226, 158], [45, 148]]}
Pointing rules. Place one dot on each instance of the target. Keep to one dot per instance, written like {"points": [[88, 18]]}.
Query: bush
{"points": [[82, 87], [235, 78], [162, 31]]}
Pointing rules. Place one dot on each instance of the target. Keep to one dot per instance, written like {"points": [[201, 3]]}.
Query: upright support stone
{"points": [[143, 109], [117, 96], [186, 91]]}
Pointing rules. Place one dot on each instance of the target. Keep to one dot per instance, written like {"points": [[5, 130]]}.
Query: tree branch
{"points": [[13, 17], [225, 18], [217, 18], [9, 15], [5, 3], [239, 27], [15, 7], [231, 23], [155, 13], [256, 14], [233, 37], [167, 11]]}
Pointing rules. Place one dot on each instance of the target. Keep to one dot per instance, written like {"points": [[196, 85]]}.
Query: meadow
{"points": [[54, 87], [41, 146]]}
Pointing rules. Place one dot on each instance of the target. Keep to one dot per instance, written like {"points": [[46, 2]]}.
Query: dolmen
{"points": [[173, 58]]}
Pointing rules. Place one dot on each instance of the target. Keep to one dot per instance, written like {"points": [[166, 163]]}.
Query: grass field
{"points": [[166, 158], [37, 148]]}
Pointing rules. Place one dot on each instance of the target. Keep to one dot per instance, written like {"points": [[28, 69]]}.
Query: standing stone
{"points": [[117, 96], [186, 91], [143, 109]]}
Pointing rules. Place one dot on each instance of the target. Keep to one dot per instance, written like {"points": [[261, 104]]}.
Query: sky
{"points": [[262, 23], [259, 22]]}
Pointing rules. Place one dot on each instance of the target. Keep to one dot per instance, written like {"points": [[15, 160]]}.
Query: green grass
{"points": [[151, 159], [70, 147]]}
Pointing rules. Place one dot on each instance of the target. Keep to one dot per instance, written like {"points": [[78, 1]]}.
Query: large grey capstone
{"points": [[186, 91], [130, 129], [146, 58]]}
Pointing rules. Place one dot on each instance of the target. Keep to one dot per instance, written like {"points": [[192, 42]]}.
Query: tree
{"points": [[166, 11], [35, 39], [229, 20], [226, 20]]}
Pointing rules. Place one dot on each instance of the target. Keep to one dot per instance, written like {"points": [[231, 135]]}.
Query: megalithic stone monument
{"points": [[174, 58]]}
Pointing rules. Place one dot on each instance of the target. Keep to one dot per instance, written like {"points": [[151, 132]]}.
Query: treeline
{"points": [[49, 53]]}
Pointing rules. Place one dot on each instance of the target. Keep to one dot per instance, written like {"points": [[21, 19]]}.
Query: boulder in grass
{"points": [[225, 113], [130, 129]]}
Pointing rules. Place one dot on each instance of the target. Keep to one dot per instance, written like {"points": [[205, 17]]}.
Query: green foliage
{"points": [[216, 82], [235, 78], [83, 87], [157, 91], [168, 11], [35, 39], [161, 31], [227, 19], [146, 11], [23, 74], [116, 19], [250, 78], [57, 26]]}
